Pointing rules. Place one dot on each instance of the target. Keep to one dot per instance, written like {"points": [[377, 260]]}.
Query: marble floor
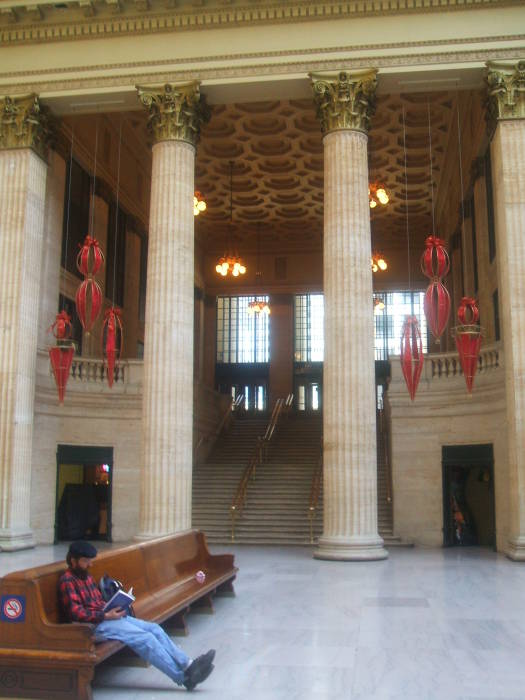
{"points": [[426, 624]]}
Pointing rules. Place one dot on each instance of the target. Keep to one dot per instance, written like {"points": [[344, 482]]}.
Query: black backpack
{"points": [[108, 587]]}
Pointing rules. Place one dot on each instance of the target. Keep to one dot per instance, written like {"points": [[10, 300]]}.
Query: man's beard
{"points": [[80, 573]]}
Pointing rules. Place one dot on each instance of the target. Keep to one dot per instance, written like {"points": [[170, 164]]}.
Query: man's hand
{"points": [[114, 614]]}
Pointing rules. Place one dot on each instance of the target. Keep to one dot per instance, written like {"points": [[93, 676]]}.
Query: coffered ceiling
{"points": [[277, 154]]}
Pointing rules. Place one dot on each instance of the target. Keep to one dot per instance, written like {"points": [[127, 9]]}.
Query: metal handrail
{"points": [[386, 453], [215, 432], [255, 460], [315, 491]]}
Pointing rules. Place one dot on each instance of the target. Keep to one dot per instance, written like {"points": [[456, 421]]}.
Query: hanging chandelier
{"points": [[378, 262], [230, 263], [198, 203], [259, 306], [377, 194]]}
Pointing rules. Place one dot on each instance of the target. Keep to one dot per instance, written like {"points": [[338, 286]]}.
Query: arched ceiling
{"points": [[277, 153]]}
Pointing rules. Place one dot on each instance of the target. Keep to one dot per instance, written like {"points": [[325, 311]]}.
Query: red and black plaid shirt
{"points": [[81, 599]]}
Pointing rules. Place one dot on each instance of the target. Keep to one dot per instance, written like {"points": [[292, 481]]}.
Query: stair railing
{"points": [[315, 492], [257, 458], [215, 432], [385, 449]]}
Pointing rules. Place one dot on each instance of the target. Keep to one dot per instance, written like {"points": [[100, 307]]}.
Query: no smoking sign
{"points": [[13, 608]]}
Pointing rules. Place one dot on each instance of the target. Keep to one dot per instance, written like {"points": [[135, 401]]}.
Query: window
{"points": [[495, 304], [474, 243], [490, 207], [76, 215], [241, 337], [115, 255], [309, 328], [389, 321]]}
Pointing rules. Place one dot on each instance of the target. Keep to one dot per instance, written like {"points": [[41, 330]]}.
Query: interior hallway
{"points": [[425, 624]]}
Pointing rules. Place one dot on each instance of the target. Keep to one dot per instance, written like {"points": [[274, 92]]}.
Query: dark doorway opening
{"points": [[469, 516], [83, 494]]}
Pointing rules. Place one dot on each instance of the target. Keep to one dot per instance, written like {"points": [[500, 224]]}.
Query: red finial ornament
{"points": [[88, 298], [411, 354], [112, 348], [435, 264], [469, 337], [61, 355]]}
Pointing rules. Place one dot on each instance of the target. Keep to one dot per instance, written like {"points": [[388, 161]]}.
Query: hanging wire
{"points": [[406, 203], [116, 214], [68, 213], [94, 180], [431, 174], [463, 246]]}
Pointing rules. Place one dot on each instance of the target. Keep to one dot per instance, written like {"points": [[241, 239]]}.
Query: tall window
{"points": [[115, 254], [309, 328], [389, 321], [490, 207], [241, 337], [76, 214]]}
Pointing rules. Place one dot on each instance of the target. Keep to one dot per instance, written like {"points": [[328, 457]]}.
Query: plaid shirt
{"points": [[81, 599]]}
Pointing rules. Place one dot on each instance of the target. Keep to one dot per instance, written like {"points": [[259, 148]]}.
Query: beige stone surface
{"points": [[22, 198], [508, 172], [168, 358], [443, 414], [350, 474]]}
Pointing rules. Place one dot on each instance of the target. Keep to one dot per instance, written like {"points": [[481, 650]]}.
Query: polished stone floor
{"points": [[426, 624]]}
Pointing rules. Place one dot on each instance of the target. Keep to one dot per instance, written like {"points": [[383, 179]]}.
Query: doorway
{"points": [[469, 516], [83, 493]]}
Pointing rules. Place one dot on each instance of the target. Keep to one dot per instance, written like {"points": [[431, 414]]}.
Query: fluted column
{"points": [[22, 196], [344, 104], [506, 117], [176, 113]]}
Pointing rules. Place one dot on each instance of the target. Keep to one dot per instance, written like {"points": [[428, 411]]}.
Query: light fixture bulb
{"points": [[218, 268], [382, 195], [242, 269], [235, 272], [201, 206], [373, 204], [382, 264]]}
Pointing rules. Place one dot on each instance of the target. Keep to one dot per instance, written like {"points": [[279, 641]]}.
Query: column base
{"points": [[350, 548], [12, 540], [516, 549]]}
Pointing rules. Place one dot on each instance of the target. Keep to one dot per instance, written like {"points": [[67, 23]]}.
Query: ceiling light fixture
{"points": [[198, 203], [377, 194], [378, 262], [230, 263]]}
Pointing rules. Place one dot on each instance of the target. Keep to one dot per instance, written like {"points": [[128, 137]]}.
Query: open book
{"points": [[120, 599]]}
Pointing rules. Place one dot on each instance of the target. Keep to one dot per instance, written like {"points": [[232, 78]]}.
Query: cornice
{"points": [[39, 21], [70, 79]]}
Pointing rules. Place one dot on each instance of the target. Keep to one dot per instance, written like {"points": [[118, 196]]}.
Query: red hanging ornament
{"points": [[112, 348], [411, 354], [469, 337], [90, 257], [435, 261], [436, 305], [435, 264], [61, 355], [88, 300]]}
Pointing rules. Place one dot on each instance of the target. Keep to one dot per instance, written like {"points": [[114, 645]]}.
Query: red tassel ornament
{"points": [[90, 257], [435, 264], [411, 354], [61, 355], [114, 336], [435, 261], [469, 337]]}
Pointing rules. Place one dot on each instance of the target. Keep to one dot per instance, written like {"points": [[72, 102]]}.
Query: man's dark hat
{"points": [[80, 548]]}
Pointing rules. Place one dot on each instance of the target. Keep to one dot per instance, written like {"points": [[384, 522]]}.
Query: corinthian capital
{"points": [[506, 92], [176, 112], [344, 100], [24, 123]]}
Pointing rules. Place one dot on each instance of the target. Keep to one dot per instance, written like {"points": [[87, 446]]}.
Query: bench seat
{"points": [[42, 657]]}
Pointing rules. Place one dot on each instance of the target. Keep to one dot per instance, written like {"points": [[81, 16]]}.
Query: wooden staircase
{"points": [[276, 508]]}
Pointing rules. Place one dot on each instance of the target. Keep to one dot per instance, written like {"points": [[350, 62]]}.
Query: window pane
{"points": [[241, 336]]}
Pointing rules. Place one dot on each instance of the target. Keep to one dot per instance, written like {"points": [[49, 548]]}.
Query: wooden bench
{"points": [[42, 657]]}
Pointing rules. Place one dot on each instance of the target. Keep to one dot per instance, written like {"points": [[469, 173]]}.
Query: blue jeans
{"points": [[149, 641]]}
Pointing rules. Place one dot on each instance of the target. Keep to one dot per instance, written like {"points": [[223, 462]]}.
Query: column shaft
{"points": [[508, 169], [168, 352], [22, 196], [350, 459]]}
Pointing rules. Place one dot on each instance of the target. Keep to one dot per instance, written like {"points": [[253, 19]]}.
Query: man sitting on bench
{"points": [[82, 601]]}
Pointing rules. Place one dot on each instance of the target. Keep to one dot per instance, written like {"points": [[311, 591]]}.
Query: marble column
{"points": [[23, 172], [506, 119], [176, 114], [344, 105]]}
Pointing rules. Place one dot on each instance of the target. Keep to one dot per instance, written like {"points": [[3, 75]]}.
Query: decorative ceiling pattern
{"points": [[277, 154]]}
